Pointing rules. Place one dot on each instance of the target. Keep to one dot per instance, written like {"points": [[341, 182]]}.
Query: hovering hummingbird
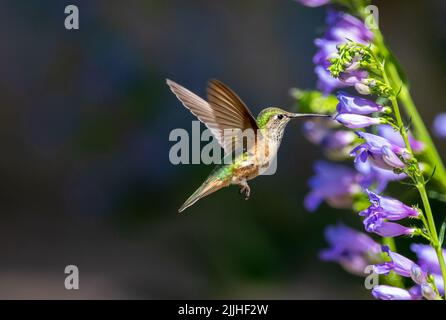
{"points": [[225, 111]]}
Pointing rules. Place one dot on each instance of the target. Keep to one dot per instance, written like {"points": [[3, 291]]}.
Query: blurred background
{"points": [[85, 177]]}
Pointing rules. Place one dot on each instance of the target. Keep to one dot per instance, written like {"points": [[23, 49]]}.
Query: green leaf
{"points": [[314, 101]]}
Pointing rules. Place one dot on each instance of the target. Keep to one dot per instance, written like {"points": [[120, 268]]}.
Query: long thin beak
{"points": [[301, 115]]}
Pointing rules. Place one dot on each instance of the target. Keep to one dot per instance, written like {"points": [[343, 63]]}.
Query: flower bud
{"points": [[384, 292], [417, 275], [429, 292], [362, 88], [356, 121]]}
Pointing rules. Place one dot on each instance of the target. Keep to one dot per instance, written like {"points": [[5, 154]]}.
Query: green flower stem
{"points": [[394, 80], [405, 98], [421, 186]]}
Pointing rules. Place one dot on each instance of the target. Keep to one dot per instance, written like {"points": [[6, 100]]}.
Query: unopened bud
{"points": [[429, 292], [417, 275], [362, 88]]}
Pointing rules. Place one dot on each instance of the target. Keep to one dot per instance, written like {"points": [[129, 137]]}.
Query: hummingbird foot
{"points": [[245, 189]]}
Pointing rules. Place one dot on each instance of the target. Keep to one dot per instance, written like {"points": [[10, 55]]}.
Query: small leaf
{"points": [[431, 176]]}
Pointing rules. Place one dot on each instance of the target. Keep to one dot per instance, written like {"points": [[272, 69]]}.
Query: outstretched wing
{"points": [[224, 112]]}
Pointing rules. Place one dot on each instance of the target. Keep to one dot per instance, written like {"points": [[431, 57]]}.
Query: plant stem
{"points": [[404, 96], [394, 80], [421, 186]]}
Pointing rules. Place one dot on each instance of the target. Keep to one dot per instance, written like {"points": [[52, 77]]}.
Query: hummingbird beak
{"points": [[301, 115]]}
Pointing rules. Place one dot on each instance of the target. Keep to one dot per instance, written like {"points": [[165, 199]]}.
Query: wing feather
{"points": [[225, 110]]}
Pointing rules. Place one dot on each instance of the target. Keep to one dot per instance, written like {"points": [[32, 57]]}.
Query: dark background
{"points": [[85, 177]]}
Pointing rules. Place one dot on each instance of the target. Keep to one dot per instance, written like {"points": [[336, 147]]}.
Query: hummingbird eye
{"points": [[280, 116]]}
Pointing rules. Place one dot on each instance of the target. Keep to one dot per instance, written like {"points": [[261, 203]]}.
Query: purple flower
{"points": [[402, 266], [384, 292], [427, 258], [429, 292], [341, 28], [374, 223], [386, 131], [352, 104], [334, 183], [356, 121], [388, 208], [374, 175], [381, 152], [351, 78], [415, 291], [440, 125], [353, 250], [333, 141], [326, 83], [313, 3]]}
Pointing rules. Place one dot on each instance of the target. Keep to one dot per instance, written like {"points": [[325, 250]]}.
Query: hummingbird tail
{"points": [[208, 187]]}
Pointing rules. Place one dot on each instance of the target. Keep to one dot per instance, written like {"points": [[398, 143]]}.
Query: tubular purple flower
{"points": [[334, 183], [376, 143], [384, 292], [439, 127], [400, 265], [386, 131], [338, 139], [353, 77], [353, 250], [389, 208], [416, 293], [327, 48], [341, 28], [374, 223], [352, 104], [391, 159], [333, 141], [380, 151], [374, 175], [427, 258], [326, 83], [356, 121], [313, 3]]}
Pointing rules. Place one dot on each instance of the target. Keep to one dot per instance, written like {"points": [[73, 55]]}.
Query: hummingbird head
{"points": [[273, 121]]}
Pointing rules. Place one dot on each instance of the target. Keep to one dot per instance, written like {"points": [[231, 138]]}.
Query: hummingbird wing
{"points": [[232, 113], [224, 112]]}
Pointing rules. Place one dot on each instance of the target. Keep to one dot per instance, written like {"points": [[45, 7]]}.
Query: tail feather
{"points": [[208, 187]]}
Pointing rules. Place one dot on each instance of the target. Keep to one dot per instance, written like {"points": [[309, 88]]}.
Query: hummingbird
{"points": [[225, 111]]}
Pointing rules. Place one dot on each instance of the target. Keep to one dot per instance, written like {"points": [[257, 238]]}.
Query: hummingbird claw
{"points": [[246, 190]]}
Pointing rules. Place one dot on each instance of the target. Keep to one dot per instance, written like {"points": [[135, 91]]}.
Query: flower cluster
{"points": [[368, 127], [385, 209], [406, 268], [342, 27], [353, 250], [427, 260]]}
